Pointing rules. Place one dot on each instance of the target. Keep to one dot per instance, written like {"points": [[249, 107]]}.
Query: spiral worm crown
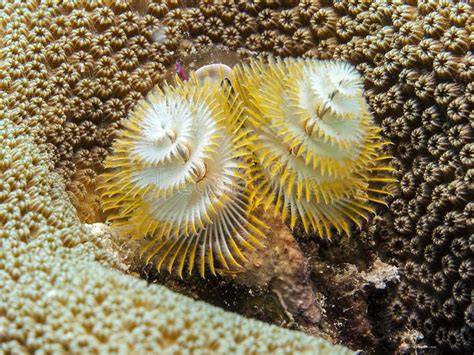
{"points": [[316, 147], [177, 176]]}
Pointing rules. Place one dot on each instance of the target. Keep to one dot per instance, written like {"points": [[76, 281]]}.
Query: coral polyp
{"points": [[177, 178], [317, 149]]}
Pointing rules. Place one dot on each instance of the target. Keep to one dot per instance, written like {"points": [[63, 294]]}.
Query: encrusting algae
{"points": [[70, 71]]}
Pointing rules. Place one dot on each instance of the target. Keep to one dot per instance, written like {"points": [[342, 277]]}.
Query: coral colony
{"points": [[194, 162], [71, 72], [63, 293]]}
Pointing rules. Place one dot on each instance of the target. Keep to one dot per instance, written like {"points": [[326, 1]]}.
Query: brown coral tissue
{"points": [[70, 71]]}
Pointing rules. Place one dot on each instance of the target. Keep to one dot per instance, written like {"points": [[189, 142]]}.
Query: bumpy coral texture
{"points": [[71, 70], [57, 296]]}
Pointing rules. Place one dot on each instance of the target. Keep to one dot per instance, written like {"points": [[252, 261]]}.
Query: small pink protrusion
{"points": [[181, 71]]}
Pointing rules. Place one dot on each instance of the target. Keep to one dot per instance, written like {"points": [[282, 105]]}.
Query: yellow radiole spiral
{"points": [[177, 178], [317, 150]]}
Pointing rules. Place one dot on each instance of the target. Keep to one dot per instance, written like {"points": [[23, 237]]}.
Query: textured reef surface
{"points": [[70, 71], [60, 292]]}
